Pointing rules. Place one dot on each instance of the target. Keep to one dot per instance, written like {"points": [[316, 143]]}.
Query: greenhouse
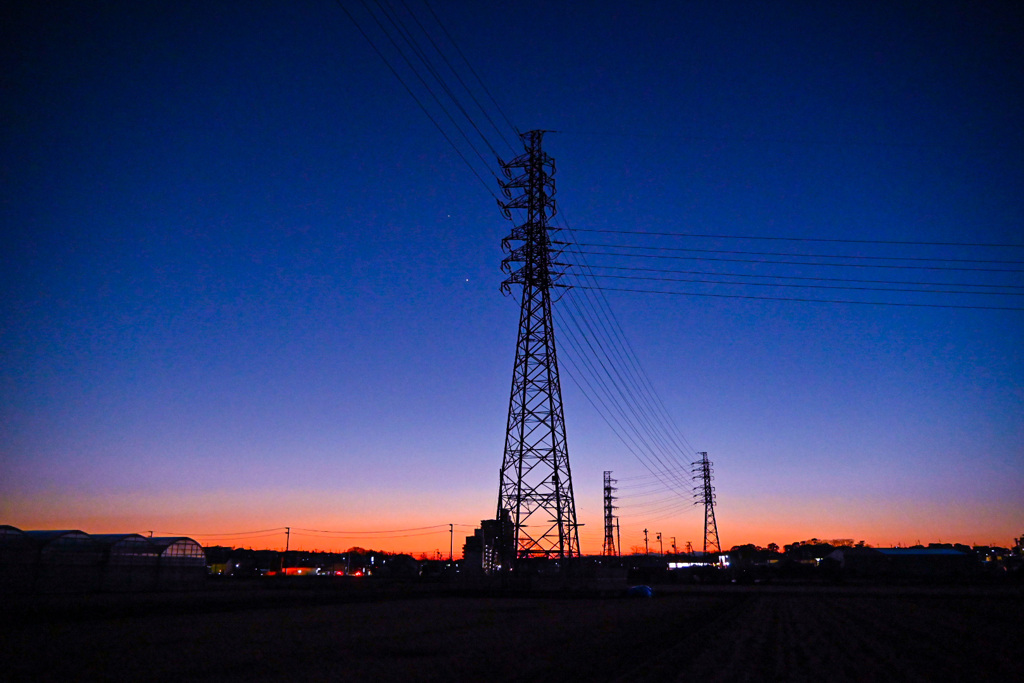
{"points": [[72, 561], [65, 561], [16, 559], [182, 561], [129, 562]]}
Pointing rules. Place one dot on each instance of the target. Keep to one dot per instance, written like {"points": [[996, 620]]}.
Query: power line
{"points": [[604, 415], [804, 263], [788, 284], [641, 381], [800, 239], [456, 73], [646, 477], [417, 99], [632, 386], [386, 531], [474, 72], [627, 370], [801, 277], [799, 255], [790, 141], [407, 36], [423, 81], [611, 387], [233, 533], [814, 301], [599, 397], [364, 537], [639, 489]]}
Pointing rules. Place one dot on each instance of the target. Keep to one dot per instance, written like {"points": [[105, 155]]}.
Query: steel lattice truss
{"points": [[536, 483], [704, 494], [609, 547]]}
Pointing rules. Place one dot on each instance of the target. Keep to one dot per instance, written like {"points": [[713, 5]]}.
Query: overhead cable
{"points": [[422, 80], [422, 107], [797, 255], [804, 263], [814, 301], [802, 239], [800, 277], [789, 284]]}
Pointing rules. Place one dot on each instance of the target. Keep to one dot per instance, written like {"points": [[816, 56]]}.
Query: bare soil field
{"points": [[726, 633]]}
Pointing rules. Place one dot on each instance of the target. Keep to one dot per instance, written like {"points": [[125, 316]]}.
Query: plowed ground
{"points": [[729, 634]]}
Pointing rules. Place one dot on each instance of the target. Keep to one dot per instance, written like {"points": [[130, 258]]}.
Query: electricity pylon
{"points": [[535, 489], [609, 548], [704, 494]]}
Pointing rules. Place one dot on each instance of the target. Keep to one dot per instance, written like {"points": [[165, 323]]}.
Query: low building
{"points": [[901, 563]]}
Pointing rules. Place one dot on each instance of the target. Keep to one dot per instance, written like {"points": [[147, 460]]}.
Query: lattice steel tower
{"points": [[536, 484], [609, 548], [704, 494]]}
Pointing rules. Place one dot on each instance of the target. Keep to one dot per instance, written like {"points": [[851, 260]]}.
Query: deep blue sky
{"points": [[248, 284]]}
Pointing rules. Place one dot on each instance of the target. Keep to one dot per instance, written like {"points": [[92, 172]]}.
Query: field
{"points": [[749, 633]]}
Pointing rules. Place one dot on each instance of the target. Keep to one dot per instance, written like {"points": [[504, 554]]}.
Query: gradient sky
{"points": [[247, 284]]}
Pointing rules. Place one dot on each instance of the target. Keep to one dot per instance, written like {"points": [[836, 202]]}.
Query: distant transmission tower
{"points": [[609, 548], [704, 493], [536, 484]]}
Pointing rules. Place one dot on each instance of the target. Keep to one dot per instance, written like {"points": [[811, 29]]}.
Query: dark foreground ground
{"points": [[750, 633]]}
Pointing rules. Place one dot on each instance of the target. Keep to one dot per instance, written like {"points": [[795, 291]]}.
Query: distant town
{"points": [[46, 561]]}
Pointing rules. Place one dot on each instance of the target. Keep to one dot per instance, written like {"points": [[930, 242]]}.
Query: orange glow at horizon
{"points": [[429, 538], [259, 520]]}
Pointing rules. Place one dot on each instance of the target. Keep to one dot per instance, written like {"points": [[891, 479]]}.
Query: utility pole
{"points": [[674, 551], [535, 488], [647, 549], [451, 542], [661, 546], [618, 535], [704, 494], [609, 549], [287, 543]]}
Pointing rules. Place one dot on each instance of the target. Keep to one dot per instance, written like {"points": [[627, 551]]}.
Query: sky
{"points": [[249, 285]]}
